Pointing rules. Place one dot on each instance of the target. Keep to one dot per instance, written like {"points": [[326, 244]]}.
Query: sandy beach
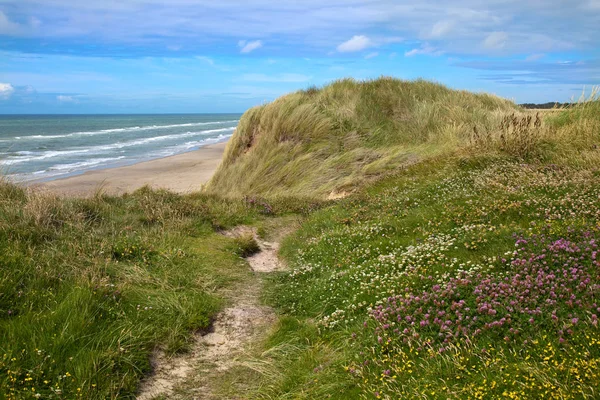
{"points": [[182, 173]]}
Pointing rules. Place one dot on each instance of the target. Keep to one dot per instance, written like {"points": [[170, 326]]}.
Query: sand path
{"points": [[234, 328]]}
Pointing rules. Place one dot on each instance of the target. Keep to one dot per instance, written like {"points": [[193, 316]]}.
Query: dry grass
{"points": [[518, 135]]}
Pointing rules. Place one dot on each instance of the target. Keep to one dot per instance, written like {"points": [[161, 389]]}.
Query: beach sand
{"points": [[182, 173]]}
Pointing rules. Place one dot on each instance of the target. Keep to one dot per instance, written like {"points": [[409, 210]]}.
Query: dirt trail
{"points": [[232, 331]]}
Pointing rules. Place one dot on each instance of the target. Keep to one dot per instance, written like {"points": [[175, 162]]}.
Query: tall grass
{"points": [[89, 287], [318, 141]]}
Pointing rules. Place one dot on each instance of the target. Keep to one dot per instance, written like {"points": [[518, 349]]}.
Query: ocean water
{"points": [[46, 147]]}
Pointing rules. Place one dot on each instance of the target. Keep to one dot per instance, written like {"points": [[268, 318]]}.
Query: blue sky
{"points": [[150, 56]]}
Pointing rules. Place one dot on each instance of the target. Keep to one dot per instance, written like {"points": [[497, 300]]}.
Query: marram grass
{"points": [[473, 274], [337, 138]]}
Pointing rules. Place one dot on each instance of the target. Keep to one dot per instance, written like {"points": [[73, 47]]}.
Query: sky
{"points": [[195, 56]]}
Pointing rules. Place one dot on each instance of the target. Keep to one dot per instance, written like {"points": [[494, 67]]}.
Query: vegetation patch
{"points": [[457, 279], [457, 256], [89, 287]]}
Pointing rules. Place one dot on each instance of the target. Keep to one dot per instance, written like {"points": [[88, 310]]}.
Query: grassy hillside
{"points": [[473, 273], [335, 139], [89, 287], [460, 279]]}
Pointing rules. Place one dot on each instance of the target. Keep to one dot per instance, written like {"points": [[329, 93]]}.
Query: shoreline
{"points": [[179, 173]]}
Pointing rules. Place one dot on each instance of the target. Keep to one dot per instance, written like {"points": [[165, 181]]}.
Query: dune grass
{"points": [[463, 265], [337, 138]]}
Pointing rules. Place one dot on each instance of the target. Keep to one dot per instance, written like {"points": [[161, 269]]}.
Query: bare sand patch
{"points": [[182, 173]]}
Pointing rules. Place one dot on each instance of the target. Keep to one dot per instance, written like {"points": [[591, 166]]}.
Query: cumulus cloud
{"points": [[357, 43], [6, 90], [496, 41], [247, 47]]}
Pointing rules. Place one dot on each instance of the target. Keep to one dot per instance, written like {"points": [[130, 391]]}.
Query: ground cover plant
{"points": [[475, 275]]}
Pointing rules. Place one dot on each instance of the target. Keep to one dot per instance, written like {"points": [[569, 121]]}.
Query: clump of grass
{"points": [[517, 135], [520, 136], [245, 245]]}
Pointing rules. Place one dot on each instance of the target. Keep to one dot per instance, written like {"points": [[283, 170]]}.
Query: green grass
{"points": [[89, 287], [460, 215], [410, 233], [449, 190]]}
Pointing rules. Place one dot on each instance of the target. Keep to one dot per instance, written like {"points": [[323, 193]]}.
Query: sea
{"points": [[47, 147]]}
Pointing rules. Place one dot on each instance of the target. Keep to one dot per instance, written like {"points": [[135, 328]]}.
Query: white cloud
{"points": [[357, 43], [66, 99], [6, 90], [288, 77], [312, 26], [441, 29], [371, 55], [248, 47], [496, 41], [207, 60], [593, 4], [35, 22], [425, 49]]}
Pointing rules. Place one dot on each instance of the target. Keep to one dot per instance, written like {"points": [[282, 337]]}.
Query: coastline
{"points": [[180, 173]]}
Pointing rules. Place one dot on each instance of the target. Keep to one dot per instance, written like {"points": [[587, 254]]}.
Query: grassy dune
{"points": [[465, 263], [471, 274], [475, 274], [337, 138]]}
